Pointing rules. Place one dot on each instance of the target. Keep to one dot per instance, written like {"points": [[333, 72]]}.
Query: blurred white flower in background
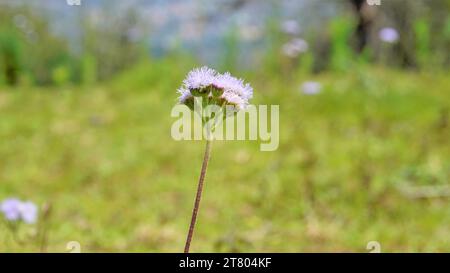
{"points": [[300, 44], [389, 35], [11, 209], [295, 47], [291, 27], [311, 88], [14, 209], [29, 212]]}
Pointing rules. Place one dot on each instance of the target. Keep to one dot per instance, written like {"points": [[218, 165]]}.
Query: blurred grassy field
{"points": [[104, 158]]}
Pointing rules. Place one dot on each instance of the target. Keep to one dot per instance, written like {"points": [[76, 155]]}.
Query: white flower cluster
{"points": [[221, 89]]}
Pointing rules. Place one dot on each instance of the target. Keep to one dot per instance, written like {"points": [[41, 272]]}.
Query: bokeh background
{"points": [[85, 98]]}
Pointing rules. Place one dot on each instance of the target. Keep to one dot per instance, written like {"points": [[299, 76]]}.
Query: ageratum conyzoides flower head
{"points": [[216, 88], [14, 210], [389, 35]]}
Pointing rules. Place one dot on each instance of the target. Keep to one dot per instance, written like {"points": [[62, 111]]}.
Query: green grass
{"points": [[103, 157]]}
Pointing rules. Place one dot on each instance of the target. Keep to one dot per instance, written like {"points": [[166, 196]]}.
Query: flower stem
{"points": [[199, 194]]}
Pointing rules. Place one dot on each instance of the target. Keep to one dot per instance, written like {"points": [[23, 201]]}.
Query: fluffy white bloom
{"points": [[200, 78], [10, 208], [300, 44], [15, 210], [235, 91], [231, 84], [311, 88], [389, 35], [295, 47], [29, 212], [224, 88]]}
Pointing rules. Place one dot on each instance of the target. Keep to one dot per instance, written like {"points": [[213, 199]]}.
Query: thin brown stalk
{"points": [[199, 195]]}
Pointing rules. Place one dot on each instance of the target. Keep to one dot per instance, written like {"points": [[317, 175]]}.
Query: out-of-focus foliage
{"points": [[112, 40], [28, 48], [348, 157], [341, 54]]}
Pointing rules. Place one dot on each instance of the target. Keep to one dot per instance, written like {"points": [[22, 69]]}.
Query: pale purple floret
{"points": [[389, 35], [200, 78], [185, 95], [295, 47], [230, 89], [29, 212], [11, 209], [235, 91], [311, 88], [232, 84], [14, 210]]}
